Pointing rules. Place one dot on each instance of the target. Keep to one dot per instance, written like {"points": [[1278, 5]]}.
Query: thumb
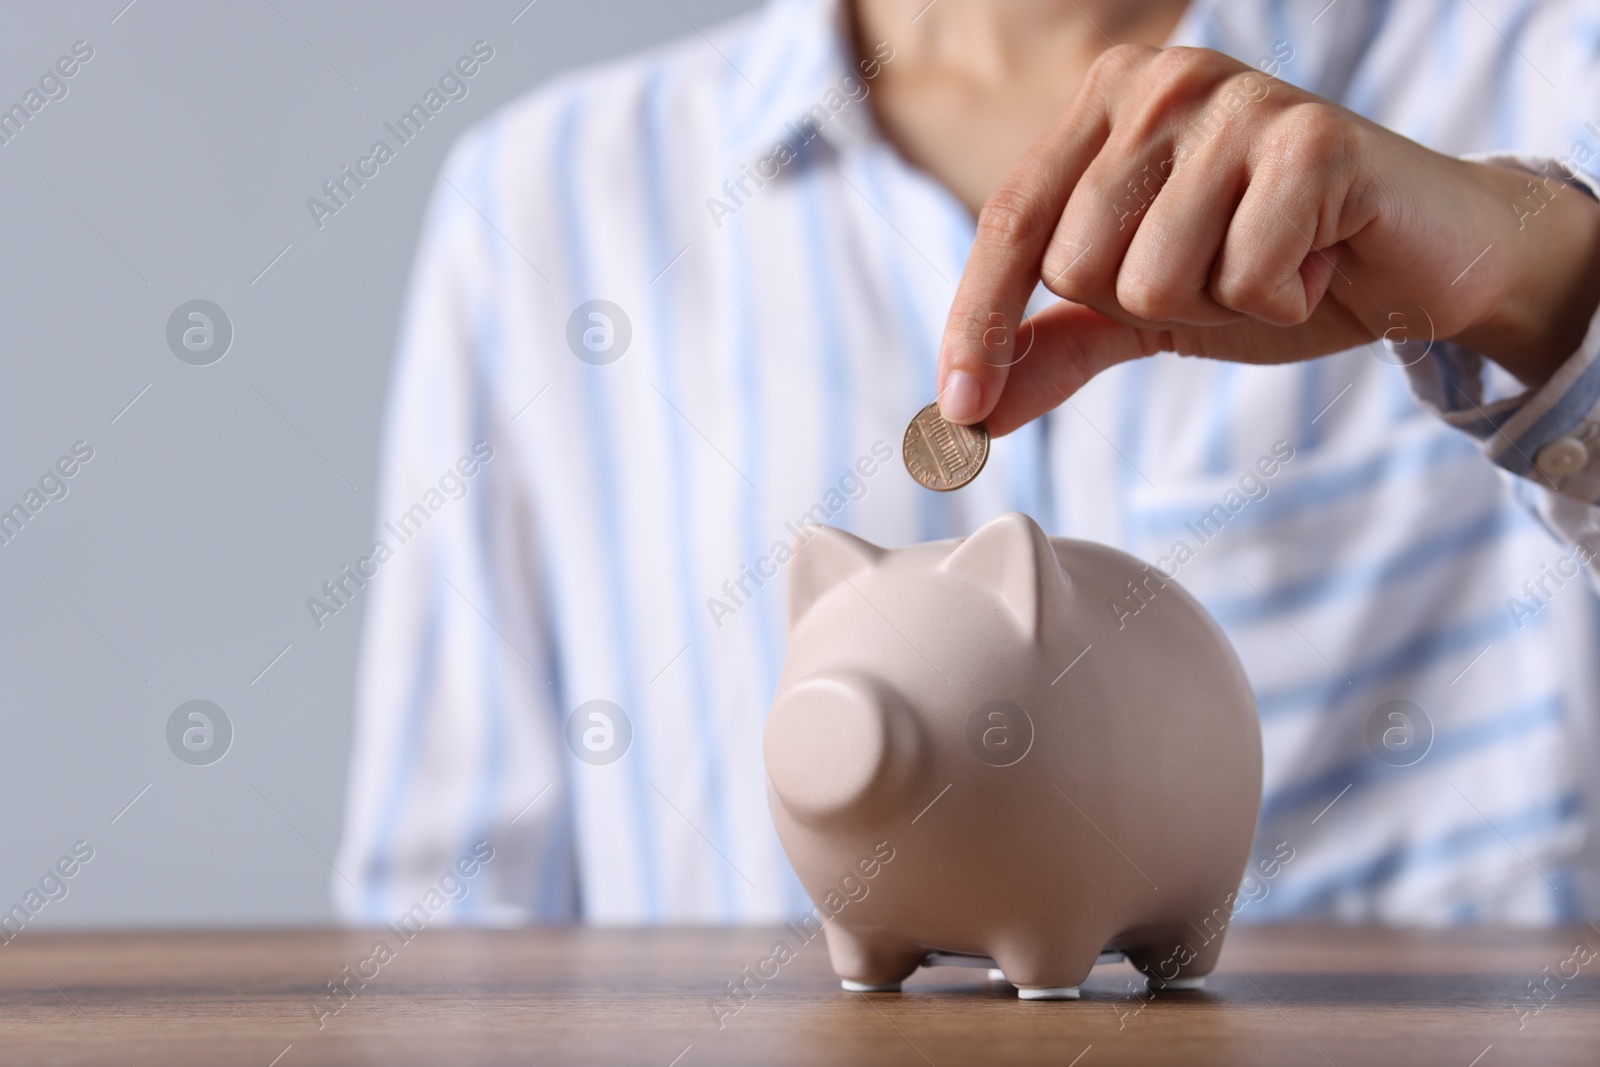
{"points": [[1058, 351]]}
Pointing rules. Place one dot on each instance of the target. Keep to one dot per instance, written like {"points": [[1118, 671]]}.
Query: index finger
{"points": [[1014, 231]]}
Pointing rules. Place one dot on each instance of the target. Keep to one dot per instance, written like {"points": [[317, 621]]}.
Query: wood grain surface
{"points": [[658, 998]]}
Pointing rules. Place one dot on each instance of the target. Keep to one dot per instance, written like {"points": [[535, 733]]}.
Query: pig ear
{"points": [[821, 562], [1012, 558]]}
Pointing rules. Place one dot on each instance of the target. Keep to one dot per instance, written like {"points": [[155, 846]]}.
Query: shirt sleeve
{"points": [[457, 747], [1547, 438]]}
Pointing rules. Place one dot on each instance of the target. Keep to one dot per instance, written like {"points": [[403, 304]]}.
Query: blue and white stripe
{"points": [[770, 352]]}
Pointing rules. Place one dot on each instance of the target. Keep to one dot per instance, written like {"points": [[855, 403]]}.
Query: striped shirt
{"points": [[775, 281]]}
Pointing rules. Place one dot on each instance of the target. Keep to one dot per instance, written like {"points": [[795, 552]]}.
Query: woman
{"points": [[689, 302]]}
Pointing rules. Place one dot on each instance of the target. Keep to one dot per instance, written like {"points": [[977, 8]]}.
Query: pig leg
{"points": [[1179, 958], [1050, 966], [871, 962]]}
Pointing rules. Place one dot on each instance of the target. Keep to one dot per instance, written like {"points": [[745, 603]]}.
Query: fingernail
{"points": [[963, 397]]}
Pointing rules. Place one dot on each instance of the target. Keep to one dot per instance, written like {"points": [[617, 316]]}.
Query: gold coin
{"points": [[943, 455]]}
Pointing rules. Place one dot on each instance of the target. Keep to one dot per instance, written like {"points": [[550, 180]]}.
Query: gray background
{"points": [[178, 565]]}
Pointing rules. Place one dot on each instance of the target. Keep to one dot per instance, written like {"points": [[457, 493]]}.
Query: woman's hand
{"points": [[1188, 203]]}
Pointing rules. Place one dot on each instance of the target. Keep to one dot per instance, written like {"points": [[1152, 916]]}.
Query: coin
{"points": [[943, 455]]}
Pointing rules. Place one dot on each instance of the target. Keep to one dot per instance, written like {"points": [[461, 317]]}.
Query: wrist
{"points": [[1550, 234]]}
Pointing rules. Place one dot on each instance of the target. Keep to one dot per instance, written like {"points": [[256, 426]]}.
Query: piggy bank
{"points": [[1013, 749]]}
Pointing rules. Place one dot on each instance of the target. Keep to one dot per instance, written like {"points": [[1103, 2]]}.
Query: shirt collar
{"points": [[805, 83], [798, 61]]}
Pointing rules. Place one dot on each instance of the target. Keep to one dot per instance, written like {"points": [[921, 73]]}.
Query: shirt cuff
{"points": [[1550, 435]]}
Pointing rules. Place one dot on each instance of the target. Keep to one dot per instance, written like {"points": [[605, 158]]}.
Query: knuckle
{"points": [[1069, 285], [1174, 80], [1249, 85], [1315, 117], [1240, 284], [1079, 288], [1063, 270], [1074, 266], [1178, 63], [1233, 289], [1114, 64], [1312, 138], [1012, 216], [1147, 298], [1250, 292]]}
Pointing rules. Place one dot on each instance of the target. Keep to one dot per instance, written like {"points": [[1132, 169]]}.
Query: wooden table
{"points": [[1285, 995]]}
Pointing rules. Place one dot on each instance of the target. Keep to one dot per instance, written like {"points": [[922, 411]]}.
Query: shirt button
{"points": [[1563, 456]]}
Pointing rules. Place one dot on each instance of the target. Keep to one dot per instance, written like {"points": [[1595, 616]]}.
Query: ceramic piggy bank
{"points": [[1010, 748]]}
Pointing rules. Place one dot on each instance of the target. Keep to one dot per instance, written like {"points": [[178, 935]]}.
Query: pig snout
{"points": [[837, 744]]}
